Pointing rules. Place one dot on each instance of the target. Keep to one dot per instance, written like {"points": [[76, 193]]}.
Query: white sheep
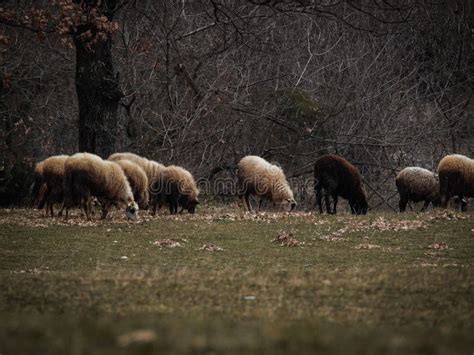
{"points": [[258, 177], [456, 178], [87, 175], [138, 181], [176, 187], [152, 169], [48, 185], [417, 184]]}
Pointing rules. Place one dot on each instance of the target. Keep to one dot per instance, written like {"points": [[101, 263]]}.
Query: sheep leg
{"points": [[50, 205], [153, 208], [105, 209], [351, 205], [319, 199], [402, 204], [335, 198], [326, 200], [60, 213], [463, 203], [260, 204], [247, 204], [157, 203], [425, 205], [85, 207], [242, 201], [173, 205], [444, 200]]}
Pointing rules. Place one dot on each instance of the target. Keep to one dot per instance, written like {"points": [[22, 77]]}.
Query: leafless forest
{"points": [[386, 84]]}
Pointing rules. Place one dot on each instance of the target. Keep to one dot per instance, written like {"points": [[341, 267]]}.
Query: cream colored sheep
{"points": [[176, 187], [48, 185], [258, 177], [138, 181], [88, 175], [456, 177], [152, 169], [417, 184]]}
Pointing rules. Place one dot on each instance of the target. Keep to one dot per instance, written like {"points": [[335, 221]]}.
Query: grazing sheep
{"points": [[152, 169], [456, 177], [256, 176], [417, 184], [88, 175], [48, 185], [138, 181], [176, 186], [338, 177]]}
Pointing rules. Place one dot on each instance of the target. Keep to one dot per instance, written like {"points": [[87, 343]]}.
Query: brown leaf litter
{"points": [[438, 246], [286, 239], [380, 224], [211, 247], [447, 215], [367, 246], [167, 243]]}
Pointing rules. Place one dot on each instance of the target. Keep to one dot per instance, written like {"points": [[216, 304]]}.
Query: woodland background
{"points": [[386, 84]]}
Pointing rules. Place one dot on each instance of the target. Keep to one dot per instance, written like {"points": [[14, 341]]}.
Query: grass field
{"points": [[382, 283]]}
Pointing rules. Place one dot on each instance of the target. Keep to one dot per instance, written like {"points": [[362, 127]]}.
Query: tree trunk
{"points": [[98, 94]]}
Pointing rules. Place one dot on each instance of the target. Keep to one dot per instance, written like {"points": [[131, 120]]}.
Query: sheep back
{"points": [[152, 168], [49, 176], [88, 175], [256, 176], [138, 181], [456, 177], [341, 178], [417, 184], [177, 185]]}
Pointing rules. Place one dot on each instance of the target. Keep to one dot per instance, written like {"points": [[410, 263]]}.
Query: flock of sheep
{"points": [[129, 181]]}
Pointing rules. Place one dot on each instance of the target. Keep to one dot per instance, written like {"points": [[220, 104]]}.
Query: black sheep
{"points": [[338, 177]]}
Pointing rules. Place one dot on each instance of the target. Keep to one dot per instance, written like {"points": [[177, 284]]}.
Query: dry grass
{"points": [[374, 284]]}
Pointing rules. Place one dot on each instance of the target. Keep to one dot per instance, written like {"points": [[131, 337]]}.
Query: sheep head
{"points": [[132, 210]]}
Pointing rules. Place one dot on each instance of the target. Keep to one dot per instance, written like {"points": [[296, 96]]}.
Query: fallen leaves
{"points": [[383, 225], [211, 247], [367, 246], [438, 246], [167, 243], [447, 215], [379, 224], [36, 270], [334, 237], [139, 336], [286, 239]]}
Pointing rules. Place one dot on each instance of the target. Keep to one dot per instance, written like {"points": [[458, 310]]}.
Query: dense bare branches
{"points": [[384, 83]]}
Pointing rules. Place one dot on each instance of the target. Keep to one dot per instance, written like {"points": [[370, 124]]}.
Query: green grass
{"points": [[375, 288]]}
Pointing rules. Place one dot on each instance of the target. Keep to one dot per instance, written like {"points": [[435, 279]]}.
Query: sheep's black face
{"points": [[192, 206], [361, 207]]}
